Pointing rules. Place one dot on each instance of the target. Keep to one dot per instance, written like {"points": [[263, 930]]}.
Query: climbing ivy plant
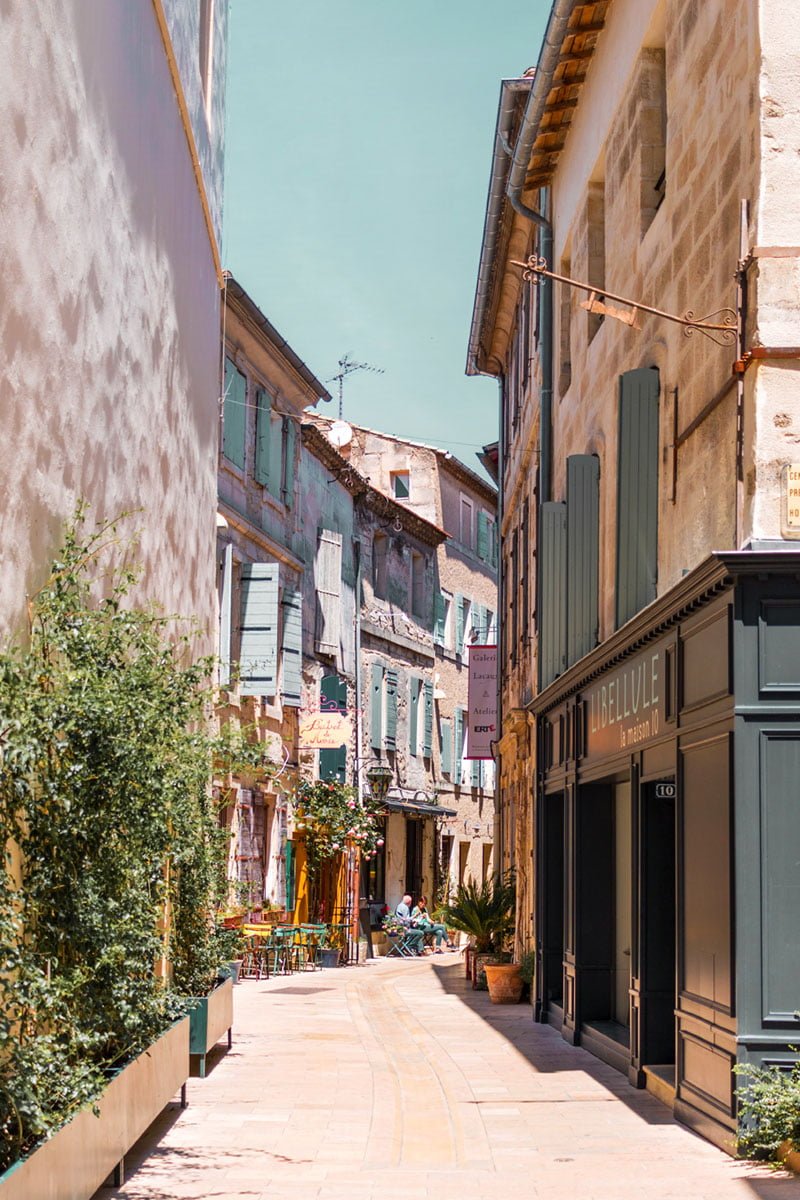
{"points": [[114, 857]]}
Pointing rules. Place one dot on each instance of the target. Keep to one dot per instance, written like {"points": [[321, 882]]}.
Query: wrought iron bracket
{"points": [[724, 331]]}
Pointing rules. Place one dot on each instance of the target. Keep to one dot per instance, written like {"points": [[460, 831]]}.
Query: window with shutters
{"points": [[258, 629], [525, 336], [376, 703], [333, 698], [427, 719], [380, 550], [441, 618], [463, 623], [553, 600], [466, 522], [487, 538], [583, 544], [289, 441], [446, 745], [459, 721], [292, 647], [524, 571], [328, 585], [637, 492], [417, 584], [513, 596], [400, 484], [414, 695], [225, 593], [390, 712], [261, 465], [234, 415]]}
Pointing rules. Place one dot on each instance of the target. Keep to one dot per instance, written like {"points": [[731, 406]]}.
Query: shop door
{"points": [[658, 941], [623, 897], [553, 902]]}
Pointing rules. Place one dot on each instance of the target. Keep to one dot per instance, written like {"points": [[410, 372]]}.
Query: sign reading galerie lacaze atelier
{"points": [[481, 701], [627, 708]]}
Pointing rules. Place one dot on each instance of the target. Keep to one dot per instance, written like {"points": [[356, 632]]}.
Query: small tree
{"points": [[485, 912]]}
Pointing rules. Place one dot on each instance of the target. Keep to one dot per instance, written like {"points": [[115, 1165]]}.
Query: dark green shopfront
{"points": [[668, 838]]}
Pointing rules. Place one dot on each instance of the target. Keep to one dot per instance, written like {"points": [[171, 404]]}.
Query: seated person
{"points": [[413, 937], [422, 917]]}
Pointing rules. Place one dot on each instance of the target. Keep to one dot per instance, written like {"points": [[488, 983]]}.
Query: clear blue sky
{"points": [[359, 142]]}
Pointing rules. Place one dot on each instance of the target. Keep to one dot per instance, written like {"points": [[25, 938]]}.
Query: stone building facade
{"points": [[265, 573], [451, 594], [112, 152], [649, 619]]}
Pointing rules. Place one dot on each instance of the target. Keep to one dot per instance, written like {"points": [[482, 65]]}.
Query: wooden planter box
{"points": [[210, 1018], [80, 1157]]}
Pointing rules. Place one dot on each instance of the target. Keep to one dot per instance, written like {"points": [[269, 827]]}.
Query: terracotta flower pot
{"points": [[789, 1156], [505, 982]]}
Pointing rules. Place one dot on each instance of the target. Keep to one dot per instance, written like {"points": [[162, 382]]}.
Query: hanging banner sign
{"points": [[481, 702], [325, 730]]}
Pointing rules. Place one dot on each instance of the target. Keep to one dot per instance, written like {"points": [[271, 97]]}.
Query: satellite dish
{"points": [[340, 434]]}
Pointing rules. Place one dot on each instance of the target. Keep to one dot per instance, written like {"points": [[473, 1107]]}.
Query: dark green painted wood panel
{"points": [[333, 696], [258, 650], [291, 675], [390, 738], [263, 429], [376, 707], [427, 729], [583, 547], [553, 584], [234, 414], [637, 492]]}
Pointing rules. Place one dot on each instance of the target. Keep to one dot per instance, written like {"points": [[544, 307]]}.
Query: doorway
{"points": [[553, 903], [658, 926], [414, 857], [623, 901]]}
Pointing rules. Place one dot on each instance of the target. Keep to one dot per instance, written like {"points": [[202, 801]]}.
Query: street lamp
{"points": [[379, 777]]}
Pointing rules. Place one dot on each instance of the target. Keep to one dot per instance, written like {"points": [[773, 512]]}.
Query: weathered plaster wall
{"points": [[110, 325]]}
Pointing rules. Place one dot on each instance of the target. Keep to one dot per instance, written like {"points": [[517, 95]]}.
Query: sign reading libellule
{"points": [[481, 701]]}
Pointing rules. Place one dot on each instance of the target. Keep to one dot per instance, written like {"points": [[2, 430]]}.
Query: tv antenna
{"points": [[347, 366]]}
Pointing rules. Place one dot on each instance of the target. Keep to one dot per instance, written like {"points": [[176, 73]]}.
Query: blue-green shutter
{"points": [[427, 729], [583, 550], [553, 585], [446, 731], [258, 654], [376, 707], [458, 744], [275, 464], [439, 614], [460, 606], [289, 870], [491, 637], [333, 698], [493, 544], [414, 687], [288, 465], [263, 424], [292, 646], [234, 414], [637, 492], [483, 536], [225, 598], [475, 773], [390, 737]]}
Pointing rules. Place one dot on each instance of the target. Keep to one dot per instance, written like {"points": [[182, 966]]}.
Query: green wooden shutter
{"points": [[483, 536], [583, 550], [333, 697], [446, 733], [553, 570], [475, 773], [458, 744], [427, 729], [263, 428], [289, 870], [376, 707], [637, 492], [460, 624], [225, 598], [390, 737], [439, 613], [258, 659], [234, 414], [292, 645], [275, 464], [328, 586], [491, 637], [414, 686], [288, 462]]}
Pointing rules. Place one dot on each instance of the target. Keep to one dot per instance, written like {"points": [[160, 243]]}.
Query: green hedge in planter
{"points": [[108, 822]]}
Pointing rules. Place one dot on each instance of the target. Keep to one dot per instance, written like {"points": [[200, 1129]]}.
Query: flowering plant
{"points": [[331, 815], [393, 926]]}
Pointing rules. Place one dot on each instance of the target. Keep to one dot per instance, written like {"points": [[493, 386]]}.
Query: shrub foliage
{"points": [[112, 845]]}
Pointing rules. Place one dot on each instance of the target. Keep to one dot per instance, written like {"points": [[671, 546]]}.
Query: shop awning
{"points": [[419, 808]]}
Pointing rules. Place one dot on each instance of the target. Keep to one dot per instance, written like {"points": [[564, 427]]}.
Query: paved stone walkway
{"points": [[394, 1081]]}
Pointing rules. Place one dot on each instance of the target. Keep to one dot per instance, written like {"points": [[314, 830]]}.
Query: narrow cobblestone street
{"points": [[394, 1080]]}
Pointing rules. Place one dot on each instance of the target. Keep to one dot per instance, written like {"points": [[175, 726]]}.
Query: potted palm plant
{"points": [[485, 913]]}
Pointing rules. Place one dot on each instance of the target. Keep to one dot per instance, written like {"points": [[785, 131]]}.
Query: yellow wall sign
{"points": [[790, 522], [325, 730]]}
